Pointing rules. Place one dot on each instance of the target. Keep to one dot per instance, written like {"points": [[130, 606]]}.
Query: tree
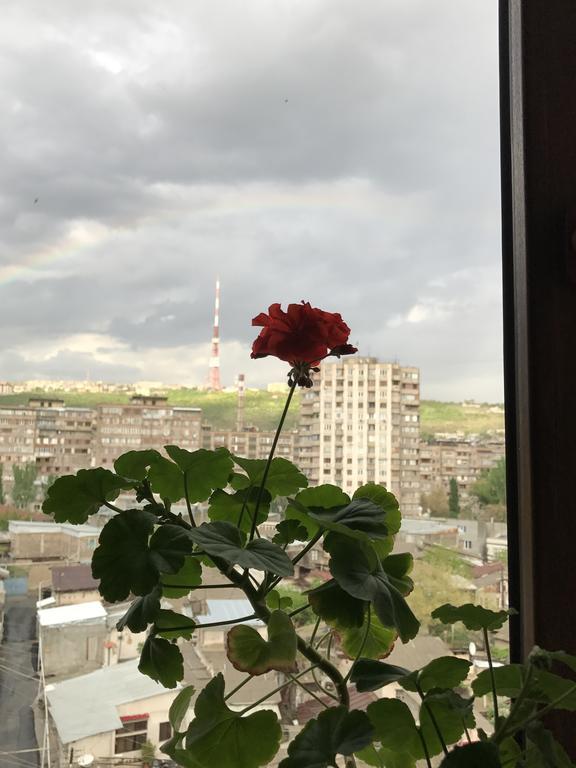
{"points": [[435, 502], [490, 488], [2, 494], [24, 490], [454, 499]]}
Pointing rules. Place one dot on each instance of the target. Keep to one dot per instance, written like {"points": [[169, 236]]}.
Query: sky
{"points": [[332, 151]]}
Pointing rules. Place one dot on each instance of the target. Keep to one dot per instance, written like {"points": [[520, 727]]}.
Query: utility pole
{"points": [[241, 391], [214, 374]]}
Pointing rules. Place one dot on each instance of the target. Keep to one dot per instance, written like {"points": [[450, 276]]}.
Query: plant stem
{"points": [[308, 547], [549, 707], [112, 506], [362, 644], [492, 677], [187, 497], [225, 623], [273, 691], [503, 728], [432, 720], [199, 586], [299, 610], [425, 748], [238, 687], [270, 457], [308, 691]]}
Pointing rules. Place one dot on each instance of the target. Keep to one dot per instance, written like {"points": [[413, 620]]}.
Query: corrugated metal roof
{"points": [[227, 610], [102, 691], [71, 614]]}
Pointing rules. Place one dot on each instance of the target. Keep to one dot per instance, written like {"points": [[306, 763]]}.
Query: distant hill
{"points": [[262, 409]]}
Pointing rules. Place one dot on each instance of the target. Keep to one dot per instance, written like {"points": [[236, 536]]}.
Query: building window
{"points": [[165, 732], [132, 735]]}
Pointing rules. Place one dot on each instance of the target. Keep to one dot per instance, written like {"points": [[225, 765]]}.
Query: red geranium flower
{"points": [[303, 335]]}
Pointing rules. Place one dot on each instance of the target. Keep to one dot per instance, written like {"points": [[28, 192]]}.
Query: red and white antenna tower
{"points": [[214, 376]]}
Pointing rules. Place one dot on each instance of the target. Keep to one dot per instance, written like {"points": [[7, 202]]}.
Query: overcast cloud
{"points": [[340, 152]]}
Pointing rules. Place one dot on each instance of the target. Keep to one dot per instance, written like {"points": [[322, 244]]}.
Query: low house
{"points": [[74, 584], [108, 713], [72, 637]]}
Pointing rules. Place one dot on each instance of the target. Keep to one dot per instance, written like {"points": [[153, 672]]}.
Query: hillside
{"points": [[263, 409]]}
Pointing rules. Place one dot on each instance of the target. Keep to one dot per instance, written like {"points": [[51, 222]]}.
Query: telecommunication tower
{"points": [[214, 375]]}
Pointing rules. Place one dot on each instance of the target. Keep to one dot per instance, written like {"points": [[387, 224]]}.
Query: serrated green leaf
{"points": [[275, 601], [482, 754], [451, 713], [141, 612], [370, 675], [239, 506], [472, 616], [284, 478], [171, 625], [204, 470], [359, 572], [169, 546], [249, 652], [386, 758], [336, 731], [289, 531], [135, 464], [238, 481], [73, 498], [398, 567], [445, 672], [395, 727], [321, 497], [220, 737], [224, 540], [122, 559], [166, 479], [386, 500], [336, 607], [379, 640], [361, 518], [162, 661], [180, 706], [190, 574]]}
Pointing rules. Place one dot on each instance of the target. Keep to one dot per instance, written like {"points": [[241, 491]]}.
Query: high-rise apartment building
{"points": [[359, 423], [249, 442]]}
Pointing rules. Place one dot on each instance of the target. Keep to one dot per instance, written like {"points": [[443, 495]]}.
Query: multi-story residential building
{"points": [[459, 457], [359, 423], [146, 422], [250, 442]]}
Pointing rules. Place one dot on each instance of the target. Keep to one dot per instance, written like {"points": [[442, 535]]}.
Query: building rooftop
{"points": [[73, 578], [422, 526], [71, 614], [227, 610], [33, 526], [104, 689]]}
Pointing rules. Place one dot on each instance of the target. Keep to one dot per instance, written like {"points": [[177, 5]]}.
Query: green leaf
{"points": [[228, 507], [361, 519], [171, 625], [284, 478], [509, 752], [482, 754], [395, 727], [179, 707], [540, 656], [545, 687], [135, 464], [398, 567], [472, 616], [162, 661], [321, 497], [336, 607], [386, 501], [238, 481], [290, 531], [379, 641], [544, 751], [276, 602], [141, 612], [73, 498], [370, 675], [336, 731], [190, 574], [358, 570], [224, 540], [445, 672], [249, 652], [204, 470], [166, 479], [386, 758], [451, 712], [122, 559], [219, 737], [169, 546]]}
